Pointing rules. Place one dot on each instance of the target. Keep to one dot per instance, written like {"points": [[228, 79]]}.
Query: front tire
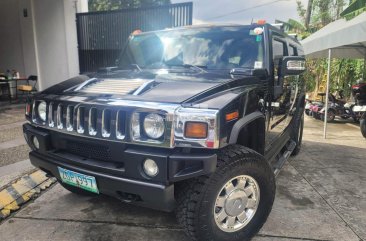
{"points": [[245, 180]]}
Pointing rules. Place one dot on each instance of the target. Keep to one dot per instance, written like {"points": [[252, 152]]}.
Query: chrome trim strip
{"points": [[80, 120], [51, 122], [60, 125], [143, 87], [209, 116], [105, 123], [34, 114], [93, 112], [120, 126], [70, 118], [81, 86]]}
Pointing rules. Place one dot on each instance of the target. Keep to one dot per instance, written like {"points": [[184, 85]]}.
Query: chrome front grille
{"points": [[85, 120], [105, 119]]}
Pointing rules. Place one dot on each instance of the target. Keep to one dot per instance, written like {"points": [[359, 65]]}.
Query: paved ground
{"points": [[321, 195], [12, 145]]}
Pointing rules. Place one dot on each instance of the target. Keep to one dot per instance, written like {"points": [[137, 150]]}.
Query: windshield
{"points": [[208, 48]]}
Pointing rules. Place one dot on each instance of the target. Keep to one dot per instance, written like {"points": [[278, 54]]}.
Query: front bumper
{"points": [[120, 176]]}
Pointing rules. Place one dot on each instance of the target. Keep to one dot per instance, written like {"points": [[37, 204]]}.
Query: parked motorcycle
{"points": [[359, 93], [311, 106], [338, 107]]}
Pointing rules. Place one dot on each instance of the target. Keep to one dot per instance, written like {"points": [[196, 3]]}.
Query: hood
{"points": [[129, 85]]}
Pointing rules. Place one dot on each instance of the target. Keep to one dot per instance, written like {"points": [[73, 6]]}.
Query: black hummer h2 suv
{"points": [[196, 120]]}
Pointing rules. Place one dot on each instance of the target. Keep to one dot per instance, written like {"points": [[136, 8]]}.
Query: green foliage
{"points": [[355, 8], [344, 72], [301, 10], [296, 26], [106, 5]]}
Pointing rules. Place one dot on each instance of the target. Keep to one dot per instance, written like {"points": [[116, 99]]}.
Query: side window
{"points": [[278, 51], [292, 51]]}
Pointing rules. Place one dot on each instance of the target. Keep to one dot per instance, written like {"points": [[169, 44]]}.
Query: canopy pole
{"points": [[327, 94], [364, 67]]}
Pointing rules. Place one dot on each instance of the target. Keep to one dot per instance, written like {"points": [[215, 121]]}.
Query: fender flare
{"points": [[241, 123]]}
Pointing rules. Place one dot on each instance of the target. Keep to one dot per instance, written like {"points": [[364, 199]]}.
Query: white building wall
{"points": [[70, 10], [50, 38], [44, 42], [11, 56], [56, 40], [27, 38]]}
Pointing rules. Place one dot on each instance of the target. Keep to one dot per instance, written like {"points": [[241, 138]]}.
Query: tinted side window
{"points": [[279, 50]]}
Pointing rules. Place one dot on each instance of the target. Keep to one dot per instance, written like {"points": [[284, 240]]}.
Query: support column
{"points": [[327, 94], [364, 67]]}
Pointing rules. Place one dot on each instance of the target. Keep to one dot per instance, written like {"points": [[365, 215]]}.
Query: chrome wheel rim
{"points": [[236, 203]]}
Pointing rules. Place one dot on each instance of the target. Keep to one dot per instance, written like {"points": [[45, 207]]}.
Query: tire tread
{"points": [[190, 193]]}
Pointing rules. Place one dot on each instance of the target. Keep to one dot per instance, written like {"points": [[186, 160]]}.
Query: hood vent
{"points": [[111, 86]]}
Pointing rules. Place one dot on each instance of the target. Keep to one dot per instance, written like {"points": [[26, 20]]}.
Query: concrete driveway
{"points": [[321, 195]]}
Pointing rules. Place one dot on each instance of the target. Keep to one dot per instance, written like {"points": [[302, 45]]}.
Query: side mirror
{"points": [[293, 65]]}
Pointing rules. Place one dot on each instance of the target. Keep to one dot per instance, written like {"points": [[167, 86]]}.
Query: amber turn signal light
{"points": [[196, 130], [232, 115]]}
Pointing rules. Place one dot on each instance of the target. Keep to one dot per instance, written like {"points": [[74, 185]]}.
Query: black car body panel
{"points": [[250, 107]]}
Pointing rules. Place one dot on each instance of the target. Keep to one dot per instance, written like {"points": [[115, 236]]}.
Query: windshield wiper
{"points": [[136, 66], [200, 68]]}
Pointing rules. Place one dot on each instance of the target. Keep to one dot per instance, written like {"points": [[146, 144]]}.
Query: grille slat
{"points": [[51, 122], [121, 125], [70, 118], [80, 120], [106, 123], [93, 120], [59, 118]]}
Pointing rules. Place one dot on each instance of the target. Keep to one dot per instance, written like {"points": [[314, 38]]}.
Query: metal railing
{"points": [[102, 35]]}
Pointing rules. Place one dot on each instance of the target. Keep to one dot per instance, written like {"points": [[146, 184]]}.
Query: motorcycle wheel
{"points": [[363, 127], [331, 116]]}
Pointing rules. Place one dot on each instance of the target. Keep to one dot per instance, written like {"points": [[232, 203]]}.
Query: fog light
{"points": [[151, 168], [35, 142]]}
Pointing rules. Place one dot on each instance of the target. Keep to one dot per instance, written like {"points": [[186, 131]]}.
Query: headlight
{"points": [[154, 126], [41, 109]]}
